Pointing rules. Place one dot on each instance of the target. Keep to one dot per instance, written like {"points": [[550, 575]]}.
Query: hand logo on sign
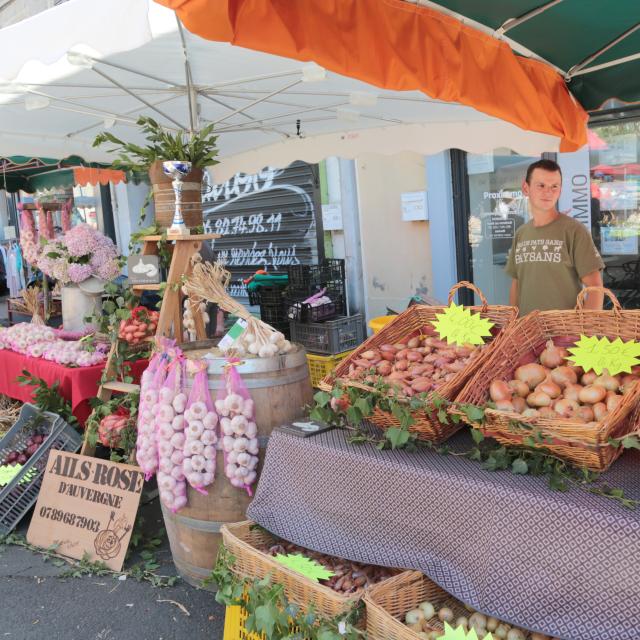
{"points": [[107, 542]]}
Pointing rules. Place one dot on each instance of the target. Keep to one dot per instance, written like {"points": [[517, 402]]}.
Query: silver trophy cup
{"points": [[177, 170]]}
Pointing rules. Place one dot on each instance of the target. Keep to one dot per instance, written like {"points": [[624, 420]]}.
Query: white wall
{"points": [[127, 200], [396, 254]]}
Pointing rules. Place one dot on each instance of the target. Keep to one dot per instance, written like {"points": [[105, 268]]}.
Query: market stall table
{"points": [[77, 384], [563, 564]]}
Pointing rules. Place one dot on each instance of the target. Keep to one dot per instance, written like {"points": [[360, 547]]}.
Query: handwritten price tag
{"points": [[598, 354], [458, 325], [460, 634]]}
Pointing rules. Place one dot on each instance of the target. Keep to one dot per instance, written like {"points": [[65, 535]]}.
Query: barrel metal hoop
{"points": [[254, 383], [210, 526], [187, 567]]}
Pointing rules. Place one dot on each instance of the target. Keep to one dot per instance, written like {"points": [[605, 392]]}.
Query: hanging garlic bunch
{"points": [[188, 320], [209, 282], [239, 439], [199, 463]]}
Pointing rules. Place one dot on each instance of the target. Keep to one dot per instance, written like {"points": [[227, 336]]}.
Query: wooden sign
{"points": [[87, 506], [143, 269]]}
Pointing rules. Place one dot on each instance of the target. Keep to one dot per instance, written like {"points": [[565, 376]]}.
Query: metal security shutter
{"points": [[267, 221]]}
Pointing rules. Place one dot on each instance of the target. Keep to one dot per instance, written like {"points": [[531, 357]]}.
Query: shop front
{"points": [[600, 188]]}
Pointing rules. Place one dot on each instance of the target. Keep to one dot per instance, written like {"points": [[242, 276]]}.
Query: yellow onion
{"points": [[539, 399], [563, 376], [533, 374], [592, 394], [499, 391]]}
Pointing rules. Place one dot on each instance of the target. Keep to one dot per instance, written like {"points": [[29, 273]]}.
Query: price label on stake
{"points": [[458, 325], [304, 566], [598, 354]]}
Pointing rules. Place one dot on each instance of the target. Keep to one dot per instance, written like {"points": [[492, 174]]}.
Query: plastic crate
{"points": [[300, 311], [234, 621], [273, 313], [321, 366], [311, 278], [331, 337], [21, 493], [266, 295]]}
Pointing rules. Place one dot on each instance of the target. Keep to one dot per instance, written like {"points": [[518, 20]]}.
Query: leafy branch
{"points": [[48, 398], [271, 613], [143, 571], [198, 147]]}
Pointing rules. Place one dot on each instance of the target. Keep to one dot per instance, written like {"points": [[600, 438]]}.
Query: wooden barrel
{"points": [[280, 388], [165, 201]]}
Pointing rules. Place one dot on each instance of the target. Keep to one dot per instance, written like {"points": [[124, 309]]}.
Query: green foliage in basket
{"points": [[270, 612], [200, 147]]}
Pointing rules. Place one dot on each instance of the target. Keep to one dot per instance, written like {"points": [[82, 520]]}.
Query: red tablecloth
{"points": [[77, 384]]}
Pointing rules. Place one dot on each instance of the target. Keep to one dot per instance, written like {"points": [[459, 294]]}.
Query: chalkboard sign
{"points": [[268, 220]]}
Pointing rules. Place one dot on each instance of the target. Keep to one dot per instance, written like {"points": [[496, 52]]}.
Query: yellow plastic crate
{"points": [[321, 366], [234, 629]]}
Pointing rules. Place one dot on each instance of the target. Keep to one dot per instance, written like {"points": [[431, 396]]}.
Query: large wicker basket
{"points": [[242, 540], [579, 443], [388, 602], [426, 425]]}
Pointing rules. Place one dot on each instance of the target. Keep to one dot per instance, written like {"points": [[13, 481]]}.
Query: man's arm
{"points": [[513, 293], [595, 299]]}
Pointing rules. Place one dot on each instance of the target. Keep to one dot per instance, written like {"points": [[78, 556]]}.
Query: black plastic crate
{"points": [[330, 337], [21, 493], [266, 295], [307, 278], [273, 313], [300, 311]]}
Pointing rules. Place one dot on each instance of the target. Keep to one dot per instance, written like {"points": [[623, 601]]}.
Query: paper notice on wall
{"points": [[414, 206], [331, 217]]}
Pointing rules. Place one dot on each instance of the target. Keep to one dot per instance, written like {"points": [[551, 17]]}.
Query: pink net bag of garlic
{"points": [[151, 381], [238, 429], [199, 463], [170, 438]]}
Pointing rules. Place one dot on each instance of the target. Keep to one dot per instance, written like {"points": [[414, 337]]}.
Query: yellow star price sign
{"points": [[598, 354], [460, 634], [305, 566], [458, 325]]}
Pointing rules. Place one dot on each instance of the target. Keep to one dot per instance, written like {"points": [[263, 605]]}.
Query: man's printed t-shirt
{"points": [[549, 262]]}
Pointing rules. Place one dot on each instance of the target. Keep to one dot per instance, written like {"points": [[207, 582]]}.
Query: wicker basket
{"points": [[579, 443], [242, 538], [426, 425], [388, 602]]}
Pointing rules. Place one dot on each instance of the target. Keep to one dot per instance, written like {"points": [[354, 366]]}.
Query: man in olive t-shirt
{"points": [[552, 255]]}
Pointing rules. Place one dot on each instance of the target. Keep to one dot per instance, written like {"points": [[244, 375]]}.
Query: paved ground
{"points": [[38, 605]]}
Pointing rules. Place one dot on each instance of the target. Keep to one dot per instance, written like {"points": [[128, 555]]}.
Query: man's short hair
{"points": [[545, 165]]}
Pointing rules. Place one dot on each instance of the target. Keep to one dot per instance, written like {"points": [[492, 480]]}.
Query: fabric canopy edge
{"points": [[417, 48], [423, 139]]}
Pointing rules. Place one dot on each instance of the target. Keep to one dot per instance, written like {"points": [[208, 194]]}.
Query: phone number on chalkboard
{"points": [[249, 225], [70, 518]]}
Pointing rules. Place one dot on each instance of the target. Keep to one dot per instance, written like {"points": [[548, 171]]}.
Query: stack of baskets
{"points": [[426, 424], [324, 330], [582, 444]]}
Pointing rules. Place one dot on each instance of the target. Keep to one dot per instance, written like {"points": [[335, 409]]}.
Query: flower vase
{"points": [[77, 304]]}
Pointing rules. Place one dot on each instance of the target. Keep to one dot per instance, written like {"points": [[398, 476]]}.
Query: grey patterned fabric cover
{"points": [[564, 564]]}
